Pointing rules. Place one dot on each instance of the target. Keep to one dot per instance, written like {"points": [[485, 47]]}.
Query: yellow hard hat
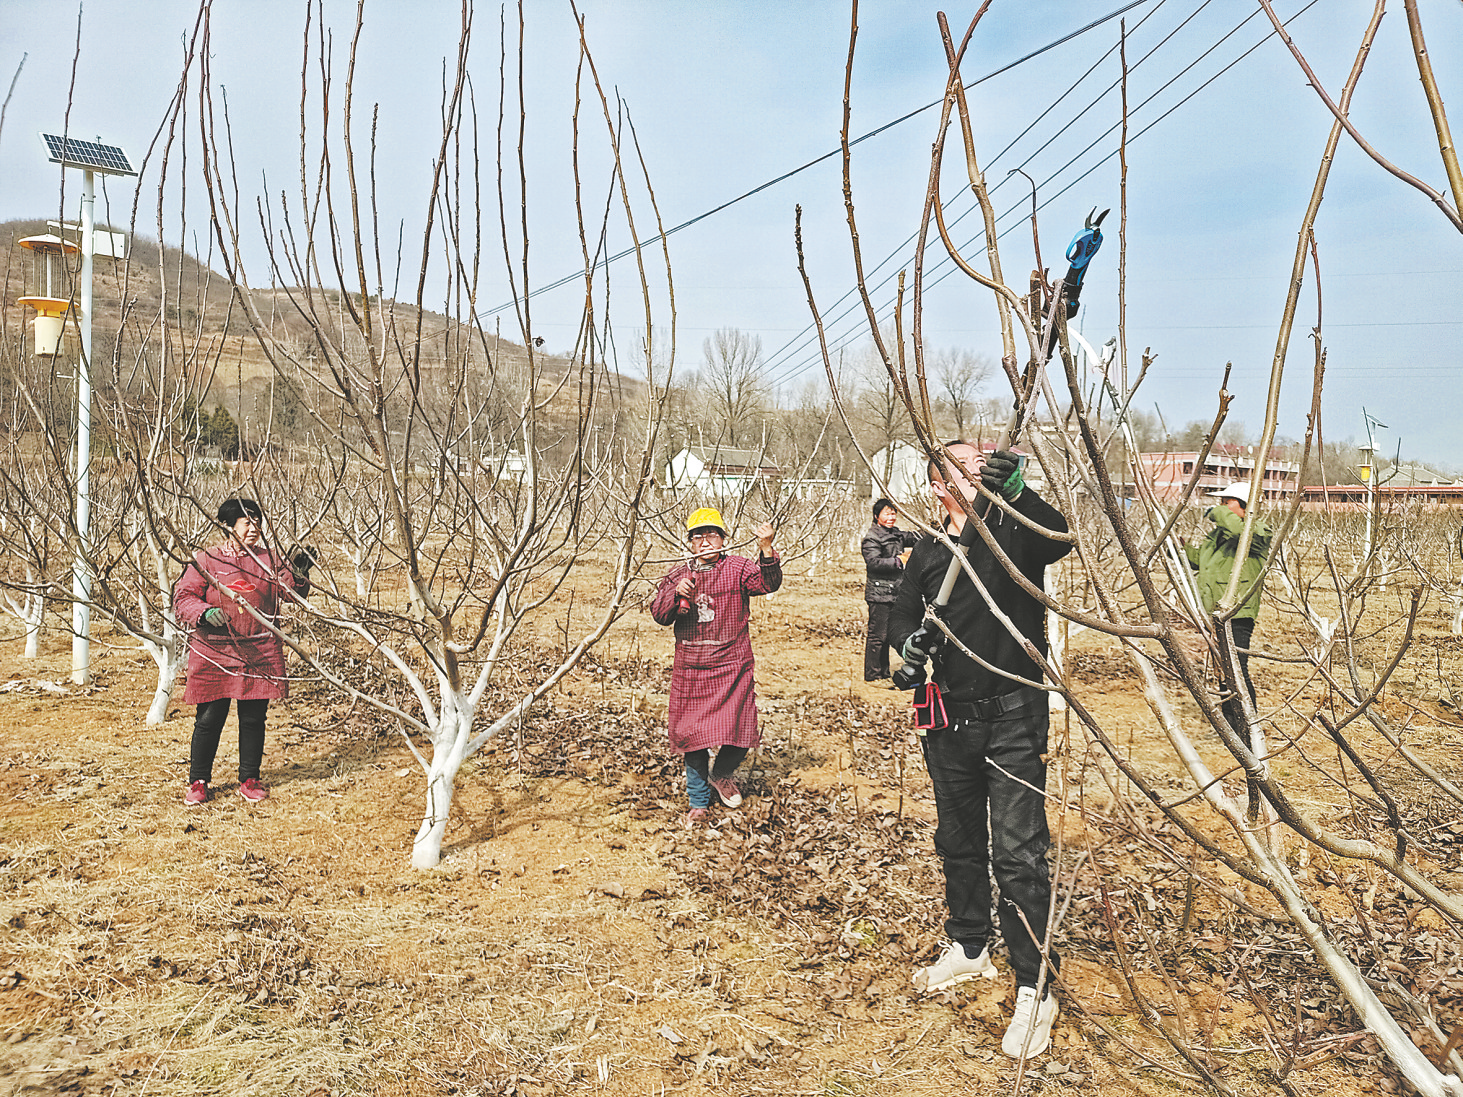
{"points": [[705, 516]]}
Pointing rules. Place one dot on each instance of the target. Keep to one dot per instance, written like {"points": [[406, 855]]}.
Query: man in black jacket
{"points": [[883, 548], [987, 763]]}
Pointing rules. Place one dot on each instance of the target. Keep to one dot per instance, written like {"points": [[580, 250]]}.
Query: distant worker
{"points": [[985, 750], [713, 699], [883, 548], [232, 654], [1213, 558]]}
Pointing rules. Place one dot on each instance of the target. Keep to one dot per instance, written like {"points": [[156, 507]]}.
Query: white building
{"points": [[903, 473], [719, 470]]}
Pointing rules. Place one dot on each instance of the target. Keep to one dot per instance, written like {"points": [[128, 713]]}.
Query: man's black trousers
{"points": [[990, 784]]}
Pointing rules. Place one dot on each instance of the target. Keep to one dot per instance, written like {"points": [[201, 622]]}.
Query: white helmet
{"points": [[1240, 490]]}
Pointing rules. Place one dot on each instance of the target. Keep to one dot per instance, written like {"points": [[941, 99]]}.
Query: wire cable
{"points": [[805, 337], [651, 241], [946, 266]]}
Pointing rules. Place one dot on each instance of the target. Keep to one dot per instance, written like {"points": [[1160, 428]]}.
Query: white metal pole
{"points": [[1371, 456], [80, 571]]}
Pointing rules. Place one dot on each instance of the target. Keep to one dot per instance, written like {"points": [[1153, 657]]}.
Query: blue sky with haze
{"points": [[727, 95]]}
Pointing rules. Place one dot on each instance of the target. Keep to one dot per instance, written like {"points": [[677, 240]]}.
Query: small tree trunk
{"points": [[1056, 633], [449, 743], [30, 611], [169, 656], [34, 611]]}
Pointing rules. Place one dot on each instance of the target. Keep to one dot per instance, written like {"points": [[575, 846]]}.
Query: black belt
{"points": [[988, 708]]}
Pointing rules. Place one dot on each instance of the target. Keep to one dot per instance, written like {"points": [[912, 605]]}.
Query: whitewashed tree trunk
{"points": [[1056, 638], [30, 611], [169, 653], [450, 737], [355, 552]]}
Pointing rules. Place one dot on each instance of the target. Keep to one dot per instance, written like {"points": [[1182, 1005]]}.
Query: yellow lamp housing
{"points": [[49, 323]]}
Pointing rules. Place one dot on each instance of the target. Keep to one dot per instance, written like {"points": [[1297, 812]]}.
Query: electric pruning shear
{"points": [[1079, 253], [929, 706]]}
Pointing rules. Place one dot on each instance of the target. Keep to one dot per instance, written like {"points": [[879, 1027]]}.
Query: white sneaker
{"points": [[1031, 1029], [952, 967]]}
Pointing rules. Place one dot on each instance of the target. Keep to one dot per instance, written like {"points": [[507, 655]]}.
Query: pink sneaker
{"points": [[197, 794], [253, 791], [726, 788], [697, 817]]}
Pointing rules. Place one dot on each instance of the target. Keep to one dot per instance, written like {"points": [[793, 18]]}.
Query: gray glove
{"points": [[923, 643], [215, 617]]}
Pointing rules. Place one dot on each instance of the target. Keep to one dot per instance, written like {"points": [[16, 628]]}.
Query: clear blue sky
{"points": [[727, 95]]}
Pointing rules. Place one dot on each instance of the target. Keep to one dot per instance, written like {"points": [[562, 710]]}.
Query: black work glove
{"points": [[923, 643], [1001, 475], [303, 558]]}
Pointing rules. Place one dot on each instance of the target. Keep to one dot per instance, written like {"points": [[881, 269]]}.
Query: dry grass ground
{"points": [[576, 938]]}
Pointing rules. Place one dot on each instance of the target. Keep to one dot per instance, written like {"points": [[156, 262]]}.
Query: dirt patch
{"points": [[578, 939]]}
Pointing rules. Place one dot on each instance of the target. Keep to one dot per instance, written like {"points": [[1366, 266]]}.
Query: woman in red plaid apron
{"points": [[713, 699]]}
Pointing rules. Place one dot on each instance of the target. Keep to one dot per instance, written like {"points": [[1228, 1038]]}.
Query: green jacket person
{"points": [[1213, 558]]}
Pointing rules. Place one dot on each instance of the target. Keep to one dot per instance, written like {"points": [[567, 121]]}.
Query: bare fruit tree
{"points": [[475, 504], [1221, 805], [732, 376]]}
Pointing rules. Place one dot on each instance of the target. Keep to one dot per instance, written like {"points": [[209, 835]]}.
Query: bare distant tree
{"points": [[731, 374], [803, 435], [879, 410], [960, 375]]}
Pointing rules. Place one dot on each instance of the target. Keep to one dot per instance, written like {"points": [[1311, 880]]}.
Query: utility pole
{"points": [[92, 157], [1369, 475]]}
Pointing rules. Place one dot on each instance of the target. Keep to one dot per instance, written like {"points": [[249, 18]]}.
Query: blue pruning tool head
{"points": [[1085, 244]]}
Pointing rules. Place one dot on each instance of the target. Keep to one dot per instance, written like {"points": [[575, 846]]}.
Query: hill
{"points": [[163, 311]]}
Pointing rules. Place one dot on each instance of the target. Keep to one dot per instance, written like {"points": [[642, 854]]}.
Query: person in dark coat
{"points": [[713, 698], [231, 655], [883, 547], [986, 757]]}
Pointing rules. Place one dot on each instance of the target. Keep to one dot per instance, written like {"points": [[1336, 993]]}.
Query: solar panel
{"points": [[91, 155]]}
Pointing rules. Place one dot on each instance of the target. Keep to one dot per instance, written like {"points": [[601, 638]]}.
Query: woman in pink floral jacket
{"points": [[232, 655]]}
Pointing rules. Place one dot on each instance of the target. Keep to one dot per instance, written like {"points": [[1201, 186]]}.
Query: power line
{"points": [[944, 261], [567, 279], [805, 337], [948, 265]]}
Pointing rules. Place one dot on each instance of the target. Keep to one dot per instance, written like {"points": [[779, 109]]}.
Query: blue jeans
{"points": [[698, 776], [989, 782]]}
